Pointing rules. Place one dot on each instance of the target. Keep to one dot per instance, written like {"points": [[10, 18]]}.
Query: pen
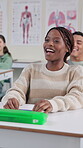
{"points": [[26, 109]]}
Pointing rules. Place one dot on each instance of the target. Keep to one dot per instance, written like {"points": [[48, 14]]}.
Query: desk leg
{"points": [[81, 143], [11, 82]]}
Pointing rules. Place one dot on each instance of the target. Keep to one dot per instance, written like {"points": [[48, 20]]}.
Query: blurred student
{"points": [[5, 58], [52, 86], [76, 57]]}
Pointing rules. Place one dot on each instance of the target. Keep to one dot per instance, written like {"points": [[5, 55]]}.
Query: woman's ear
{"points": [[66, 50]]}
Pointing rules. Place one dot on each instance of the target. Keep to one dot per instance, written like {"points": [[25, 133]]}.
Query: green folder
{"points": [[23, 116]]}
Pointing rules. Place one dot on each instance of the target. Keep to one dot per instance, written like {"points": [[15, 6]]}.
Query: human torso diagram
{"points": [[25, 23]]}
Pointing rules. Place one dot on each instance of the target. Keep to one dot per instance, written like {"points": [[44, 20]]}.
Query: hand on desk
{"points": [[43, 105], [12, 104]]}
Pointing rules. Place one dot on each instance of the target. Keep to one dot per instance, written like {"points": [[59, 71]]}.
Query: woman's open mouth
{"points": [[49, 51]]}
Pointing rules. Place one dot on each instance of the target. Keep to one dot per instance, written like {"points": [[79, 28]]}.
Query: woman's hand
{"points": [[12, 104], [43, 105]]}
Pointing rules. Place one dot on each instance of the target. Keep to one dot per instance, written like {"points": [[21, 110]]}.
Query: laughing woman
{"points": [[52, 86]]}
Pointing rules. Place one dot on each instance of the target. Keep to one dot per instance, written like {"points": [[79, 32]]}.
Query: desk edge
{"points": [[42, 131]]}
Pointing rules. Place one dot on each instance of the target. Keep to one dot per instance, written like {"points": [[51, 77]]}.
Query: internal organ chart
{"points": [[60, 19], [57, 18]]}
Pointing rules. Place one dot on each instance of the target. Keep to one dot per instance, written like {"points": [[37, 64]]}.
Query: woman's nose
{"points": [[75, 44], [51, 43]]}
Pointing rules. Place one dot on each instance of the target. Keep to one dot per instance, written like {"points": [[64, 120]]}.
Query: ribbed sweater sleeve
{"points": [[73, 99], [19, 88]]}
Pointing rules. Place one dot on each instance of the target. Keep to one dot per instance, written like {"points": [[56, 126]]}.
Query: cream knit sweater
{"points": [[63, 88]]}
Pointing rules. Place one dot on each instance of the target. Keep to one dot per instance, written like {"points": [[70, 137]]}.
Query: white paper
{"points": [[62, 13], [23, 11], [3, 18]]}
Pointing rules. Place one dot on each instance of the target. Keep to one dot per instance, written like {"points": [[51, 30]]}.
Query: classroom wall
{"points": [[32, 52]]}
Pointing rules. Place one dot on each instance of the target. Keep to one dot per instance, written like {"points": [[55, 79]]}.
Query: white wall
{"points": [[32, 52]]}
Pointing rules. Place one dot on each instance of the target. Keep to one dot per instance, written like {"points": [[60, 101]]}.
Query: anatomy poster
{"points": [[26, 26], [82, 22], [3, 18], [62, 13]]}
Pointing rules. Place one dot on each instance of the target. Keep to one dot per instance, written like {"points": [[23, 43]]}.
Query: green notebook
{"points": [[23, 116]]}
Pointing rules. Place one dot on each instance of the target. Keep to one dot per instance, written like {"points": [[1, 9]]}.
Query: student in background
{"points": [[52, 86], [5, 58], [76, 57]]}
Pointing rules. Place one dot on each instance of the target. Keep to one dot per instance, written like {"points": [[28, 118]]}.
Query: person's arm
{"points": [[74, 94], [71, 101], [7, 63], [30, 18], [19, 89], [21, 19]]}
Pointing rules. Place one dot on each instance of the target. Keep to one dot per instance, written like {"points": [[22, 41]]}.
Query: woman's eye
{"points": [[46, 40], [79, 43], [56, 41]]}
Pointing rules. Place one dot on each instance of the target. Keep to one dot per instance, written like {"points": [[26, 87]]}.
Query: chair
{"points": [[5, 88]]}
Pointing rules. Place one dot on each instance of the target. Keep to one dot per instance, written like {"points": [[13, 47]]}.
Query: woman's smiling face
{"points": [[78, 46], [2, 45], [54, 46]]}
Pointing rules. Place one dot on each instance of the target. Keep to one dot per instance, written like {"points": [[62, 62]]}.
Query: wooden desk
{"points": [[7, 74], [62, 130]]}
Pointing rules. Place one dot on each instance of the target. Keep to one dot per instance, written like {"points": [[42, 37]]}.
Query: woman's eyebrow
{"points": [[53, 37], [79, 41]]}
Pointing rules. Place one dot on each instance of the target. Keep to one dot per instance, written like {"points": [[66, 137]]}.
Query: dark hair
{"points": [[67, 37], [78, 33], [5, 50]]}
